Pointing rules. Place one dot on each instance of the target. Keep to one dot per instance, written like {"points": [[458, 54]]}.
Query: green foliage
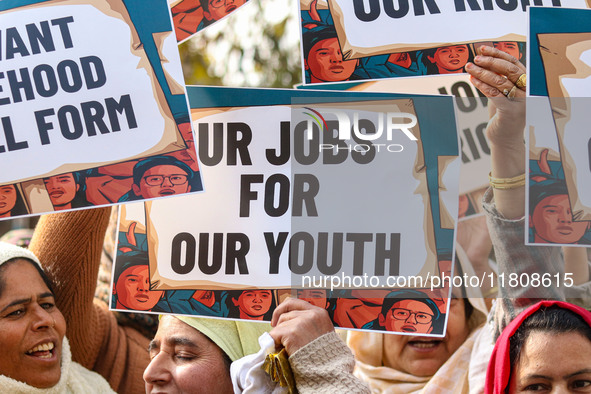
{"points": [[256, 46]]}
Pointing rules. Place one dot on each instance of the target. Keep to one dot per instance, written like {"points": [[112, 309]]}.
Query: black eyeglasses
{"points": [[404, 314], [158, 180]]}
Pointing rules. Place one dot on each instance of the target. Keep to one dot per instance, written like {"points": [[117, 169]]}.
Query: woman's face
{"points": [[183, 360], [31, 327], [422, 356], [7, 200], [553, 363]]}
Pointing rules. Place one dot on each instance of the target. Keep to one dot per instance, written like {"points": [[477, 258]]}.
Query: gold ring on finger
{"points": [[511, 94], [521, 81]]}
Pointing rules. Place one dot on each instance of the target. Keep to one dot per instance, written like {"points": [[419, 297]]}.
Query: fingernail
{"points": [[469, 66], [477, 58]]}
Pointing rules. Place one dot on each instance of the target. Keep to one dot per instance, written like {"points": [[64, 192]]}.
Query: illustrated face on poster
{"points": [[62, 190], [559, 205], [283, 204], [408, 40], [552, 221], [132, 289], [325, 63], [9, 198], [550, 216], [450, 59], [409, 316], [192, 16], [79, 110], [252, 304]]}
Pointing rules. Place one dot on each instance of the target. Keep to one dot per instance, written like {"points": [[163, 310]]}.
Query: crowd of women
{"points": [[55, 338]]}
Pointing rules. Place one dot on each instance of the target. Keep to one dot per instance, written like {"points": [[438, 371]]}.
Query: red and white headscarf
{"points": [[499, 366]]}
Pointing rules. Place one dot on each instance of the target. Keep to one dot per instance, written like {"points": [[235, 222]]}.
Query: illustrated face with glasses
{"points": [[217, 9], [408, 316], [162, 180]]}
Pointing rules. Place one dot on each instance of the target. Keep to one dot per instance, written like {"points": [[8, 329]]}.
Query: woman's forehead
{"points": [[19, 278]]}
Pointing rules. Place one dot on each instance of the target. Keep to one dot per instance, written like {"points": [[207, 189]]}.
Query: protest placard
{"points": [[472, 117], [334, 192], [559, 203], [89, 89], [357, 40], [192, 16]]}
